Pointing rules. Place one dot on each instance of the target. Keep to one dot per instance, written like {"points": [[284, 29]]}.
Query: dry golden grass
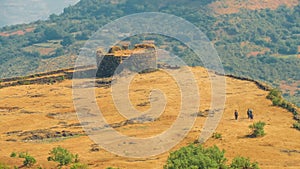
{"points": [[51, 108]]}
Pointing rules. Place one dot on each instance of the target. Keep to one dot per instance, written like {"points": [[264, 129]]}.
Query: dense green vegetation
{"points": [[296, 125], [272, 35], [198, 157], [276, 96]]}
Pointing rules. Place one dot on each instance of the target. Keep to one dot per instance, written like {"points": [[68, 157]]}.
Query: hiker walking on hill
{"points": [[250, 114], [236, 114]]}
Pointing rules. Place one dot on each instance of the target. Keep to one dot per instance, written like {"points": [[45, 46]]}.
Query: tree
{"points": [[62, 156], [52, 33], [67, 41], [196, 156], [82, 36]]}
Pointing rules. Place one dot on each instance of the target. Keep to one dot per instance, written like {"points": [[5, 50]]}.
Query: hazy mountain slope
{"points": [[18, 11]]}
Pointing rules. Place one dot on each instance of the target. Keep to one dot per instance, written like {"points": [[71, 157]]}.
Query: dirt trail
{"points": [[44, 114]]}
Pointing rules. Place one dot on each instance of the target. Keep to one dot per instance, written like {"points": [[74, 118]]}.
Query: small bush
{"points": [[257, 129], [277, 101], [297, 125], [29, 161], [79, 166], [274, 93], [217, 136], [276, 96], [62, 156], [243, 163], [13, 154], [61, 78]]}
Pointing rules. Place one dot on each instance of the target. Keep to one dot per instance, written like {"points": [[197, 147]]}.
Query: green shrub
{"points": [[274, 93], [195, 156], [61, 78], [217, 136], [297, 125], [243, 163], [257, 129], [79, 166], [29, 161], [62, 156], [276, 96], [13, 154], [26, 82], [277, 101]]}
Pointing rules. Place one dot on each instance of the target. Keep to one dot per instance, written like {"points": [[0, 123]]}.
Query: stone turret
{"points": [[141, 58]]}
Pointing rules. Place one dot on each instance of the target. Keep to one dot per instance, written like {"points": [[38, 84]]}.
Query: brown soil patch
{"points": [[46, 51], [222, 7], [18, 32], [255, 53], [55, 115], [291, 88]]}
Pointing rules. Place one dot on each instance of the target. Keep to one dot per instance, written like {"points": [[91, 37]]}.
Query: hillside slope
{"points": [[35, 118], [256, 40]]}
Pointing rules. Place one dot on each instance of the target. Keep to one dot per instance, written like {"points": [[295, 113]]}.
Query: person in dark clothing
{"points": [[236, 114], [248, 113], [251, 115]]}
